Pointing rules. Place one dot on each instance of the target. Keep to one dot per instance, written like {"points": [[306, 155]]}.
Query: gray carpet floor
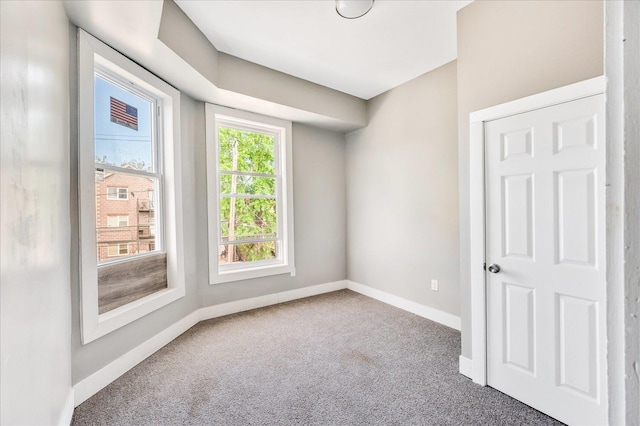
{"points": [[335, 359]]}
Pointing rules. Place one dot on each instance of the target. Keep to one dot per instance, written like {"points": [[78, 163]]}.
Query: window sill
{"points": [[116, 318], [220, 277]]}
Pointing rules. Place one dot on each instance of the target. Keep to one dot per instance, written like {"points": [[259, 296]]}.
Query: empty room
{"points": [[320, 212]]}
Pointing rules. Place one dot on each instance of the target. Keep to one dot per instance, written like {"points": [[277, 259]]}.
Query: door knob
{"points": [[493, 268]]}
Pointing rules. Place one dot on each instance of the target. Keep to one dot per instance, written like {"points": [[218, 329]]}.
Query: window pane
{"points": [[117, 221], [252, 218], [115, 250], [250, 252], [246, 151], [123, 127], [251, 185], [124, 226]]}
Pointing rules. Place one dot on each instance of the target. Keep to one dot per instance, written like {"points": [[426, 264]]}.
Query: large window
{"points": [[250, 195], [129, 186]]}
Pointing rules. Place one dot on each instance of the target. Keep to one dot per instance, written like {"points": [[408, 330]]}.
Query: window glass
{"points": [[251, 218], [247, 184], [117, 250], [114, 193], [248, 196], [117, 221], [129, 220], [249, 252], [246, 151], [123, 127]]}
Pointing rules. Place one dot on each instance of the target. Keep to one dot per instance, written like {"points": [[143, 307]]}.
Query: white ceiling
{"points": [[395, 42]]}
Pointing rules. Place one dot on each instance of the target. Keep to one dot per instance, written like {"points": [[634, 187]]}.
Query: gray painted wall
{"points": [[509, 50], [35, 331], [402, 196]]}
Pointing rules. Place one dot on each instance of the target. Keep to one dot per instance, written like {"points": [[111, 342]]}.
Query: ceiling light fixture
{"points": [[352, 9]]}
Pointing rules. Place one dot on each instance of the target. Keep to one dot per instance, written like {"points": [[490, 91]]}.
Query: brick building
{"points": [[125, 215]]}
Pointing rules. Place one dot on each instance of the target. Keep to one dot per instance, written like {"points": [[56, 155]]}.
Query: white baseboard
{"points": [[67, 411], [432, 314], [91, 385], [268, 300], [465, 366]]}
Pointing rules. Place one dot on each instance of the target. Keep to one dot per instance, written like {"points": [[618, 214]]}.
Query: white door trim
{"points": [[478, 119]]}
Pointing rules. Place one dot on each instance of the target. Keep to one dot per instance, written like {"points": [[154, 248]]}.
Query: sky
{"points": [[118, 143]]}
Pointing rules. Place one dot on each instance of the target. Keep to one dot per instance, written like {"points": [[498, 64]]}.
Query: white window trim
{"points": [[285, 265], [92, 52]]}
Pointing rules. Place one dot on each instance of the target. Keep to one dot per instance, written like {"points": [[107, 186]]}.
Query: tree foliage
{"points": [[251, 218]]}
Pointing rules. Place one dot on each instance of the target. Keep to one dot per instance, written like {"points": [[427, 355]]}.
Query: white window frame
{"points": [[92, 55], [118, 220], [117, 195], [282, 131]]}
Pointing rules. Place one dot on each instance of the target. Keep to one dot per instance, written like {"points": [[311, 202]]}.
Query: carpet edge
{"points": [[427, 312]]}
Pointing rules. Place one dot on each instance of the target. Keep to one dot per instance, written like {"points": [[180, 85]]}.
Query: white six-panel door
{"points": [[545, 229]]}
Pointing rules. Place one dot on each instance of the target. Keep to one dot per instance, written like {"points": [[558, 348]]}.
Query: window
{"points": [[118, 250], [249, 195], [117, 221], [117, 193], [130, 190]]}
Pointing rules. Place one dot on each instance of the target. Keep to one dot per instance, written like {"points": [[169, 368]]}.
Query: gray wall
{"points": [[402, 196], [319, 214], [35, 342], [320, 224], [509, 50]]}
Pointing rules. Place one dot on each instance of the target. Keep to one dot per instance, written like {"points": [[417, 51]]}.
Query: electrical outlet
{"points": [[434, 285]]}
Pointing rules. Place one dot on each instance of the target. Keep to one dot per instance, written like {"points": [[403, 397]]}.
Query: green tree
{"points": [[243, 216]]}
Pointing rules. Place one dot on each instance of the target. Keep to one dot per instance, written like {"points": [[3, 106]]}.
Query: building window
{"points": [[117, 193], [130, 191], [118, 250], [120, 221], [249, 194]]}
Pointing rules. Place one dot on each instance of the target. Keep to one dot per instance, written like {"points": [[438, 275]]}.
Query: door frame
{"points": [[583, 89]]}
